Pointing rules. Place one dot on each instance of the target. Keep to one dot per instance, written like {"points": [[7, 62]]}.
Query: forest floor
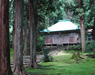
{"points": [[62, 64], [26, 58]]}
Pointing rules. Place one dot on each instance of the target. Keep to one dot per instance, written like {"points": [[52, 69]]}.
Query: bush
{"points": [[39, 47], [40, 43], [76, 47], [91, 48], [47, 58]]}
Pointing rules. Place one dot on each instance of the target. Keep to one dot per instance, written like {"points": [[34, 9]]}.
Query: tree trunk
{"points": [[68, 14], [94, 19], [93, 33], [34, 46], [5, 68], [26, 31], [30, 23], [33, 62], [1, 44], [82, 28], [18, 68], [25, 39], [83, 38]]}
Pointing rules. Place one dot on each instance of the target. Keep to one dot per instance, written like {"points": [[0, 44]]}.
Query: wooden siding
{"points": [[48, 40], [62, 38]]}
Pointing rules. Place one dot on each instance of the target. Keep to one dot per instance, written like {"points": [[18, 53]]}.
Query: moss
{"points": [[63, 65]]}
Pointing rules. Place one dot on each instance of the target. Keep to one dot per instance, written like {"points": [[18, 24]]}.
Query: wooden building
{"points": [[62, 33]]}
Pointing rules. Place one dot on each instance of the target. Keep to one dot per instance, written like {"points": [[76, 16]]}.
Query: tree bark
{"points": [[94, 20], [33, 62], [26, 31], [83, 38], [18, 68], [34, 46], [25, 39], [93, 33], [68, 14], [1, 44], [82, 28], [5, 68]]}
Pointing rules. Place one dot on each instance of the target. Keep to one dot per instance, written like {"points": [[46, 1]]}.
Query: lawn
{"points": [[64, 65]]}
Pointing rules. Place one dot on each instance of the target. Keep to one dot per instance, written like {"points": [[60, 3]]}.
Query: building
{"points": [[62, 33]]}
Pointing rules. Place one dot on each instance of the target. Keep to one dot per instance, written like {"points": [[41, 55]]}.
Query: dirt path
{"points": [[26, 60]]}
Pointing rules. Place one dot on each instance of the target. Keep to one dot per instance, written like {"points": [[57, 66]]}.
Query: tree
{"points": [[93, 33], [33, 62], [82, 25], [77, 8], [25, 39], [18, 48], [42, 9], [26, 16], [5, 68]]}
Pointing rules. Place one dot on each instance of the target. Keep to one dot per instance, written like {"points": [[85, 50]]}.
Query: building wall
{"points": [[62, 38]]}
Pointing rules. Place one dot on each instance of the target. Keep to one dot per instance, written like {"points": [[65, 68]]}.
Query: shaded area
{"points": [[64, 65]]}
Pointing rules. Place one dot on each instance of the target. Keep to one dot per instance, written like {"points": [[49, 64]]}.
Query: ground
{"points": [[62, 64]]}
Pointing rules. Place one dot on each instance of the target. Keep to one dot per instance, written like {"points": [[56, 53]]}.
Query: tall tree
{"points": [[26, 16], [1, 44], [93, 33], [43, 8], [5, 68], [18, 68], [25, 38], [94, 17], [82, 25], [33, 62]]}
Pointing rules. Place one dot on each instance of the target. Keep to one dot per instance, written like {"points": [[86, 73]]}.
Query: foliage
{"points": [[11, 21], [87, 8], [40, 43], [75, 47], [91, 48], [47, 58], [54, 10]]}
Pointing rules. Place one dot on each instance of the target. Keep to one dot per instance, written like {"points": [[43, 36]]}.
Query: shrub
{"points": [[47, 58], [40, 43], [76, 47], [91, 48]]}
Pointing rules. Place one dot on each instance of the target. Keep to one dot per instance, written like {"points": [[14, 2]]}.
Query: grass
{"points": [[11, 54], [64, 65]]}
